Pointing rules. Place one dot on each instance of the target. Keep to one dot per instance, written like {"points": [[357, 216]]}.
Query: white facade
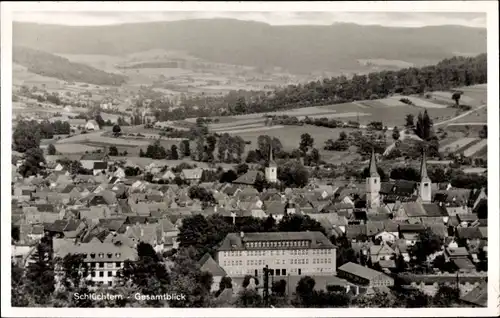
{"points": [[271, 174], [283, 257]]}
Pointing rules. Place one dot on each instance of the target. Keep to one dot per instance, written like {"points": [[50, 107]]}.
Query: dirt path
{"points": [[459, 116]]}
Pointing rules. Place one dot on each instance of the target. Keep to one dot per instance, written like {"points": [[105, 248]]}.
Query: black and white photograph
{"points": [[192, 155]]}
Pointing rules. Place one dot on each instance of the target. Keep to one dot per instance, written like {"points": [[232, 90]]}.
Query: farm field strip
{"points": [[74, 148], [222, 129], [336, 115], [475, 148], [458, 144], [420, 102], [262, 129], [236, 122]]}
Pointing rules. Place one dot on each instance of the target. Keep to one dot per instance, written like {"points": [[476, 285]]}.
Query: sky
{"points": [[391, 19]]}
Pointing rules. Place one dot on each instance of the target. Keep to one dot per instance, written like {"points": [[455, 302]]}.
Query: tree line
{"points": [[446, 75]]}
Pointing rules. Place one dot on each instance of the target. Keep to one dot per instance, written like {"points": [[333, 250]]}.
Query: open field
{"points": [[290, 135], [420, 102], [478, 116], [472, 150], [458, 144], [65, 148]]}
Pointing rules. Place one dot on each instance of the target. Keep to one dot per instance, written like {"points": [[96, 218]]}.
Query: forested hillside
{"points": [[447, 74], [50, 65], [297, 48]]}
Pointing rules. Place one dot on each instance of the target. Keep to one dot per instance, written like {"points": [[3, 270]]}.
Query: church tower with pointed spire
{"points": [[373, 184], [271, 170], [425, 191]]}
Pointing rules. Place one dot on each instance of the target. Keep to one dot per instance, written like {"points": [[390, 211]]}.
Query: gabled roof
{"points": [[100, 165], [360, 271], [469, 233], [248, 178], [478, 296], [208, 264], [433, 209]]}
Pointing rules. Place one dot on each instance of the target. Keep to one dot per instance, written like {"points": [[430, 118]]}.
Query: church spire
{"points": [[373, 165], [271, 161], [423, 167]]}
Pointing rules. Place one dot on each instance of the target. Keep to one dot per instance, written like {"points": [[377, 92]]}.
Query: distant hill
{"points": [[50, 65], [295, 48]]}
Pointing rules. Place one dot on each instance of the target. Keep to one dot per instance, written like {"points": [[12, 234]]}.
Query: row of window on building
{"points": [[103, 274], [293, 261], [277, 252], [102, 264], [277, 244]]}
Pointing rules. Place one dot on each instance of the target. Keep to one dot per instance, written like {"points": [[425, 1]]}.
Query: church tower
{"points": [[425, 192], [373, 185], [272, 168]]}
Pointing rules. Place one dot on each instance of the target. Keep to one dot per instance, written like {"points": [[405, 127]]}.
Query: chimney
{"points": [[242, 234]]}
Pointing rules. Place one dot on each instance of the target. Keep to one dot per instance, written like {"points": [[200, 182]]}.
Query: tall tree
{"points": [[184, 148], [306, 142], [26, 135], [51, 150], [173, 152]]}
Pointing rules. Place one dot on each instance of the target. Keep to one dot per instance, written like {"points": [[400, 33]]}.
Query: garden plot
{"points": [[387, 102]]}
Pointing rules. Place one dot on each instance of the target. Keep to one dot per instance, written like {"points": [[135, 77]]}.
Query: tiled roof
{"points": [[248, 178], [233, 241], [208, 264], [433, 209], [414, 209], [478, 296], [469, 232]]}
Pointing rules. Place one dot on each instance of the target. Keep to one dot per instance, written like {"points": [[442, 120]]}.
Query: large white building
{"points": [[103, 259], [285, 253]]}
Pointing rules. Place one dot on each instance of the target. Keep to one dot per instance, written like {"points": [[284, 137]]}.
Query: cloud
{"points": [[393, 19]]}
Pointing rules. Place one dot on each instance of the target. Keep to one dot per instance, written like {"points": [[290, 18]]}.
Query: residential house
{"points": [[88, 159], [100, 167], [208, 264], [381, 252], [191, 175], [92, 125], [104, 259]]}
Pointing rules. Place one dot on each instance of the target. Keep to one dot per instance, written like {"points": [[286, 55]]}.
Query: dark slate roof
{"points": [[433, 209], [469, 233], [411, 227], [248, 178], [353, 231], [387, 187], [58, 226], [100, 165], [136, 219], [404, 187], [112, 224], [234, 241]]}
